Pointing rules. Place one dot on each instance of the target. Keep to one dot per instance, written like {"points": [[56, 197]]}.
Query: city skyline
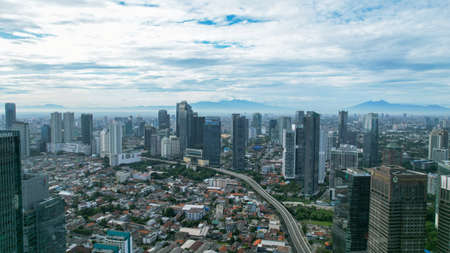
{"points": [[329, 55]]}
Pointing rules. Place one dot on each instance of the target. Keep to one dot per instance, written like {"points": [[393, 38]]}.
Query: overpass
{"points": [[295, 232]]}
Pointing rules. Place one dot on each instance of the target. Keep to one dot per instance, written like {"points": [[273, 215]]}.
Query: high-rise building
{"points": [[24, 130], [45, 137], [104, 142], [69, 126], [444, 215], [211, 140], [392, 154], [115, 138], [273, 133], [342, 127], [163, 119], [370, 145], [148, 133], [299, 115], [184, 124], [438, 140], [10, 114], [196, 136], [46, 133], [288, 168], [257, 123], [170, 147], [439, 154], [397, 210], [87, 128], [128, 126], [344, 157], [239, 144], [323, 154], [11, 222], [44, 217], [283, 123], [351, 213], [311, 127], [56, 128]]}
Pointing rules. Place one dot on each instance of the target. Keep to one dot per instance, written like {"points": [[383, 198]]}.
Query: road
{"points": [[296, 234]]}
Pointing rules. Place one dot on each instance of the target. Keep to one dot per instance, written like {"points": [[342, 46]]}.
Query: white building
{"points": [[439, 154], [170, 147], [122, 240], [115, 138], [104, 142], [24, 132], [122, 176], [56, 128], [194, 212], [288, 168], [69, 126]]}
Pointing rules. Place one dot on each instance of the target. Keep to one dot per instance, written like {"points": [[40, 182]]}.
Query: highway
{"points": [[295, 232]]}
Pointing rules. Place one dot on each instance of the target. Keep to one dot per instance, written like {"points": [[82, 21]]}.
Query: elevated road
{"points": [[296, 234]]}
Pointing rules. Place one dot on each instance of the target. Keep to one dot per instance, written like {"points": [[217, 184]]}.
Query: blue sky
{"points": [[321, 55]]}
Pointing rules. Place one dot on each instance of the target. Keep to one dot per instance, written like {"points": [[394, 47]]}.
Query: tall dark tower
{"points": [[257, 123], [87, 128], [397, 210], [196, 136], [163, 119], [311, 127], [342, 128], [371, 135], [299, 115], [184, 124], [10, 114], [239, 138], [211, 140], [11, 222], [351, 213]]}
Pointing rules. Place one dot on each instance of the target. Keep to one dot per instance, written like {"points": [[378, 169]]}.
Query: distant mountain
{"points": [[382, 106]]}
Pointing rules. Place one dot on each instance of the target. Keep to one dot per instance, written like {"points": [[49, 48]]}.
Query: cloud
{"points": [[319, 55]]}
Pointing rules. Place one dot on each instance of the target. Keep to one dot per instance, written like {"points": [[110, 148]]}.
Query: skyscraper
{"points": [[283, 123], [323, 154], [45, 137], [129, 126], [288, 168], [311, 127], [163, 119], [211, 140], [87, 128], [115, 138], [300, 152], [148, 133], [184, 124], [56, 128], [239, 145], [257, 123], [438, 140], [444, 215], [69, 126], [24, 130], [299, 115], [342, 127], [10, 114], [273, 133], [370, 145], [170, 147], [104, 142], [397, 210], [351, 213], [11, 222], [196, 136], [44, 217]]}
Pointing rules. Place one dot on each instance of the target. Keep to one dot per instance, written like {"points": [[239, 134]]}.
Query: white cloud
{"points": [[323, 54]]}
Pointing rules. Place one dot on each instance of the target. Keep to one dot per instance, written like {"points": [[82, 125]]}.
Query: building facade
{"points": [[444, 215], [24, 130], [239, 141], [288, 168], [87, 128], [69, 126], [11, 222], [397, 210], [212, 140], [351, 213], [10, 115]]}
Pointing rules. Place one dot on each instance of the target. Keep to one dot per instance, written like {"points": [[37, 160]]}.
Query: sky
{"points": [[323, 55]]}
